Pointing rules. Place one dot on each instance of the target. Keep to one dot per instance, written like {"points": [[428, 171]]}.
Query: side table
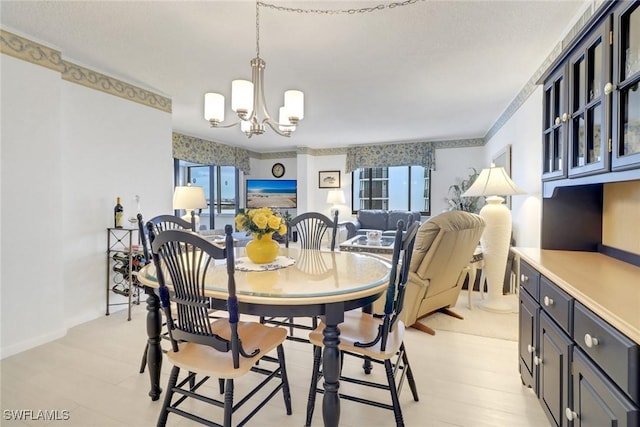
{"points": [[477, 262]]}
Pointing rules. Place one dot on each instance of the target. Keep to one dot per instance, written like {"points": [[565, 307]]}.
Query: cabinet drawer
{"points": [[557, 303], [529, 279], [617, 355]]}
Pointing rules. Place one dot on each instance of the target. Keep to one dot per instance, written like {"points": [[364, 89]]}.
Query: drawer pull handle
{"points": [[570, 414], [590, 341], [537, 360], [531, 348], [523, 278], [548, 301]]}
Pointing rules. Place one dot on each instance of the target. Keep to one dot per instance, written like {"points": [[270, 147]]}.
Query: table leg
{"points": [[472, 281], [331, 365], [367, 365], [154, 351]]}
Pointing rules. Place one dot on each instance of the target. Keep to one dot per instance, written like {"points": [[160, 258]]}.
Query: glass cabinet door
{"points": [[554, 134], [626, 141], [588, 128]]}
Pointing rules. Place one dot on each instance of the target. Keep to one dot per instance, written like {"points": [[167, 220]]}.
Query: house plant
{"points": [[459, 203], [261, 224]]}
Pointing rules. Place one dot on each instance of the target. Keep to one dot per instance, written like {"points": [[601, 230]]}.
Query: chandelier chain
{"points": [[391, 5], [257, 29]]}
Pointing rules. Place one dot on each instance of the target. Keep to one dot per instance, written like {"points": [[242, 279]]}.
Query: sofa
{"points": [[379, 220]]}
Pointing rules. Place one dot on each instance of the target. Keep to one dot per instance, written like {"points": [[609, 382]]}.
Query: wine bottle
{"points": [[117, 214]]}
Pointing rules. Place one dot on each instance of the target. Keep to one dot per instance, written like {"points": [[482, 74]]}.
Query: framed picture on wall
{"points": [[329, 179]]}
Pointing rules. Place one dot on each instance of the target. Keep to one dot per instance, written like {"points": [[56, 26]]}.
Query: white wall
{"points": [[524, 132], [127, 154], [32, 308], [67, 152], [452, 166]]}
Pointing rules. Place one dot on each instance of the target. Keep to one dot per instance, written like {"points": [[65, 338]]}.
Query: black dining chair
{"points": [[225, 348], [171, 222], [159, 224], [376, 338], [311, 229]]}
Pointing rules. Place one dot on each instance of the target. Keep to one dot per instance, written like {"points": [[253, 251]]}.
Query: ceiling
{"points": [[429, 71]]}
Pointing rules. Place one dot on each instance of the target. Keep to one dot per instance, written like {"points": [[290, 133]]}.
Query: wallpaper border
{"points": [[36, 53]]}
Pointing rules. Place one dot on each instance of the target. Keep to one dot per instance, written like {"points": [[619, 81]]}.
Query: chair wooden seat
{"points": [[209, 361], [363, 327]]}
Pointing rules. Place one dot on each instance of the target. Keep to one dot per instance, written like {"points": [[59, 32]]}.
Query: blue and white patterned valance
{"points": [[387, 155], [196, 150]]}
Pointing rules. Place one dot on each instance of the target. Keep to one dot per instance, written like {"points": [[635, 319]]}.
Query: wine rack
{"points": [[124, 259]]}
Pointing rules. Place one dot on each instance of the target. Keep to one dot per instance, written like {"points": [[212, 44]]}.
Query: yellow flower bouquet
{"points": [[260, 222]]}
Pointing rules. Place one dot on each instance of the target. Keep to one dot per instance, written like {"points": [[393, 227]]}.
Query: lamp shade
{"points": [[493, 181], [294, 104], [283, 121], [214, 107], [242, 96], [336, 197], [189, 198]]}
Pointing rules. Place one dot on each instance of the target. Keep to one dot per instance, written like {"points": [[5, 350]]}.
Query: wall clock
{"points": [[277, 170]]}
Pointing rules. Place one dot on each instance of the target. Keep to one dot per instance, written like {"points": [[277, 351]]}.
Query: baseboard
{"points": [[16, 348]]}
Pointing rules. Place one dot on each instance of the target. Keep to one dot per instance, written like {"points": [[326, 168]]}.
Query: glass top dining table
{"points": [[300, 283]]}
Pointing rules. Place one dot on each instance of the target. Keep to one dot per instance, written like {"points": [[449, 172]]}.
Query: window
{"points": [[398, 187], [220, 184]]}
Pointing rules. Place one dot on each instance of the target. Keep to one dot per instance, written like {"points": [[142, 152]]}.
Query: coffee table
{"points": [[362, 244]]}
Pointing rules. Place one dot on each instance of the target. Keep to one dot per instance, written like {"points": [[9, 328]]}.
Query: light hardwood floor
{"points": [[463, 380]]}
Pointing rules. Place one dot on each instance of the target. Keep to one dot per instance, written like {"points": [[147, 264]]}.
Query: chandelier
{"points": [[248, 101]]}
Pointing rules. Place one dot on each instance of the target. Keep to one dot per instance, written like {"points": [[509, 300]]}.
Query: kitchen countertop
{"points": [[608, 287]]}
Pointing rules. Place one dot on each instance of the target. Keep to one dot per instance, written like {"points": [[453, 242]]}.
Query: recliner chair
{"points": [[444, 247]]}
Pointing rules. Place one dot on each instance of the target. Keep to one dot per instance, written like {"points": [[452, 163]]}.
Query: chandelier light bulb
{"points": [[283, 121], [294, 103], [214, 107], [245, 126], [242, 97]]}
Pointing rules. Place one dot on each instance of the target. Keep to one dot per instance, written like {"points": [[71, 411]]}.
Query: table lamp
{"points": [[190, 198], [496, 238], [335, 198]]}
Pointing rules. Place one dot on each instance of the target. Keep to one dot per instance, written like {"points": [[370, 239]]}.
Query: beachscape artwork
{"points": [[272, 193]]}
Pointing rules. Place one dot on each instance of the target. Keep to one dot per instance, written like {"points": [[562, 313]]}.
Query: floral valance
{"points": [[407, 154], [205, 152]]}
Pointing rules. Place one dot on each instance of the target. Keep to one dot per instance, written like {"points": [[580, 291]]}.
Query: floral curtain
{"points": [[205, 152], [407, 154]]}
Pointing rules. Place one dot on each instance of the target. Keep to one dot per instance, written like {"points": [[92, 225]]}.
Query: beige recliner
{"points": [[443, 249]]}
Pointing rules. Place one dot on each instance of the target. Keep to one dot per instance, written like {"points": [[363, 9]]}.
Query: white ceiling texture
{"points": [[426, 71]]}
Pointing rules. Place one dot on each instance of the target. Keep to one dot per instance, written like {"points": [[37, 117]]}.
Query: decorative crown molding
{"points": [[272, 155], [457, 143], [30, 51], [94, 80], [27, 50]]}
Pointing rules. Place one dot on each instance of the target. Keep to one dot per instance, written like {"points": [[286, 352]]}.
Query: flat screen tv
{"points": [[272, 193]]}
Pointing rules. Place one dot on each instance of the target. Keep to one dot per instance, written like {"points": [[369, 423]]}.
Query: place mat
{"points": [[245, 264]]}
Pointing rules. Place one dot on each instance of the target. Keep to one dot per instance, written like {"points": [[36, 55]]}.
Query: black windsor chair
{"points": [[226, 348], [376, 338], [311, 228]]}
